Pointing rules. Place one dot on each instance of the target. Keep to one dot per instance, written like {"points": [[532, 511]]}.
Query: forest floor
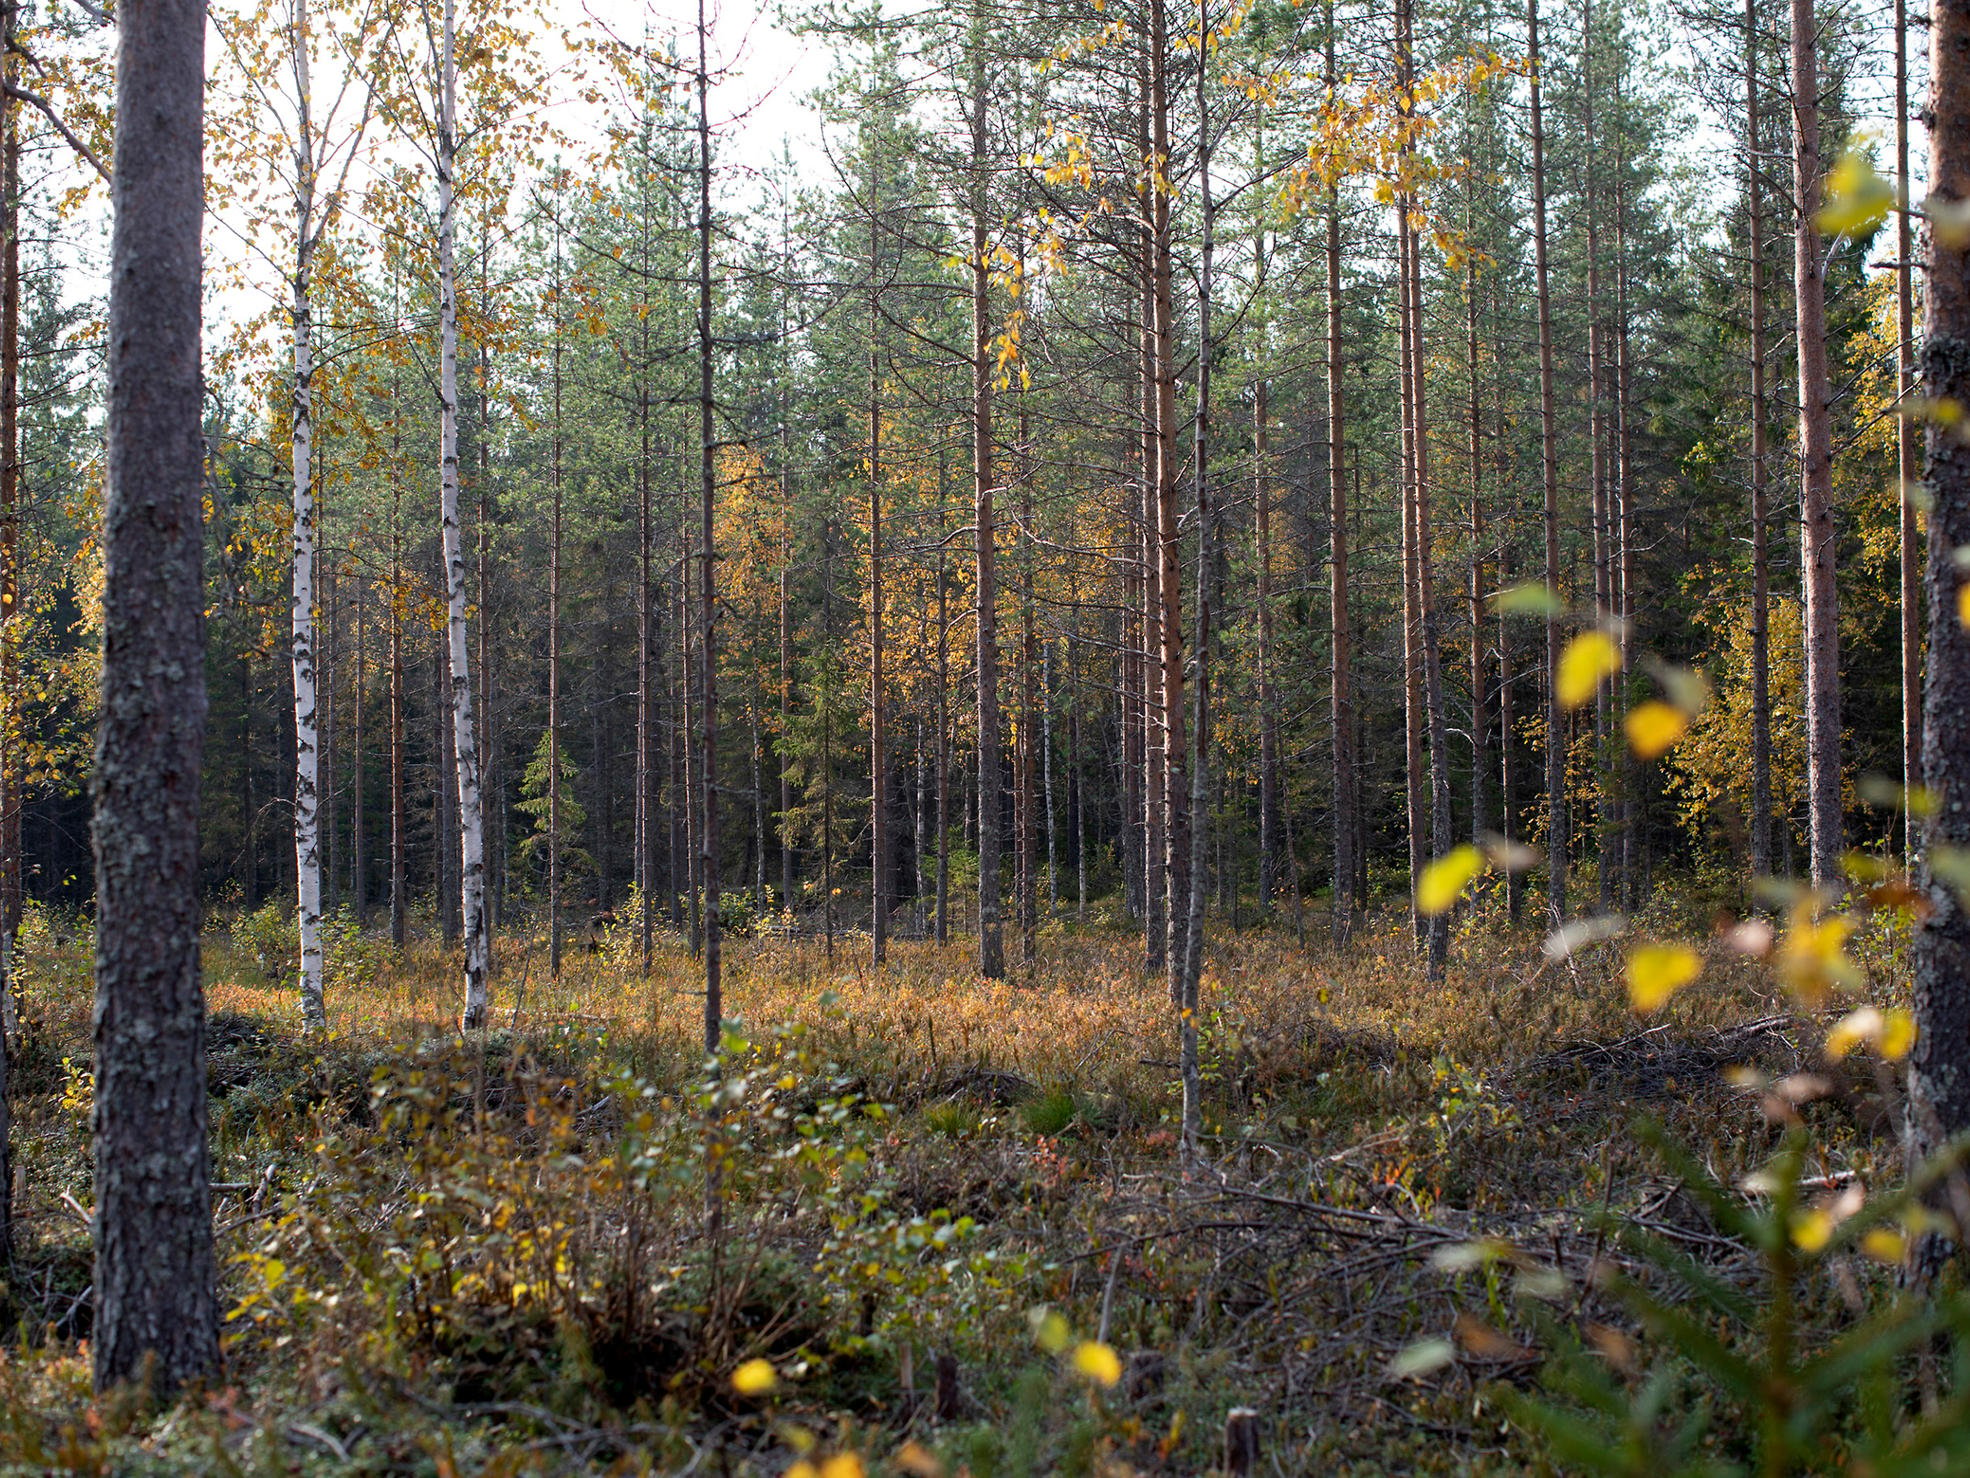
{"points": [[928, 1190]]}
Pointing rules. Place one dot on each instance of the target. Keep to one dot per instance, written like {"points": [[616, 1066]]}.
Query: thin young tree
{"points": [[155, 1274], [1761, 668], [991, 943], [1556, 818], [1817, 535], [707, 560]]}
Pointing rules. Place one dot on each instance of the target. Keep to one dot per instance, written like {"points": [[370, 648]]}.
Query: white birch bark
{"points": [[307, 750], [471, 823]]}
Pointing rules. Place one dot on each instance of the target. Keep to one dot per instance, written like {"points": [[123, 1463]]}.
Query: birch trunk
{"points": [[465, 752], [1816, 532], [307, 749]]}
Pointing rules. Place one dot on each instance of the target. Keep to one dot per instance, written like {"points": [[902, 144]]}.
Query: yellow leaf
{"points": [[1813, 955], [1097, 1362], [1529, 599], [1655, 972], [1653, 727], [1857, 197], [1856, 1027], [1444, 880], [1897, 1034], [918, 1461], [842, 1465], [1885, 1244], [1589, 660], [1963, 604], [755, 1378], [1050, 1330], [1811, 1230], [802, 1469]]}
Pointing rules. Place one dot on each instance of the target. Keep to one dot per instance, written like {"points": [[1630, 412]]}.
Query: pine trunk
{"points": [[156, 1315], [1817, 551]]}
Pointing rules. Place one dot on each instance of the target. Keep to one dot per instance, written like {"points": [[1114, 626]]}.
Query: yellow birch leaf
{"points": [[1811, 1230], [1885, 1244], [755, 1378], [1653, 727], [1097, 1362], [1897, 1034], [842, 1465], [1856, 1027], [1858, 198], [1655, 972], [1589, 660], [1444, 880]]}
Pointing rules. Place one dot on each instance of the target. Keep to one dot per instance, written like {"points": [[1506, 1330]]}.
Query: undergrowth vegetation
{"points": [[912, 1221]]}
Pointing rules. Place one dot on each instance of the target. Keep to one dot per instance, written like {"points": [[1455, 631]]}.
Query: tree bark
{"points": [[556, 288], [1939, 1067], [155, 1276], [708, 592], [1761, 681], [991, 945], [1817, 552], [307, 752], [1907, 458], [1341, 715], [1556, 818], [465, 752]]}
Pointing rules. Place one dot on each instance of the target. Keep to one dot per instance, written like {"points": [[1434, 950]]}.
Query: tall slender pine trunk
{"points": [[1761, 668], [1556, 817]]}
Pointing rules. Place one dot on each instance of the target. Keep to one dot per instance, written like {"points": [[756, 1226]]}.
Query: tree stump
{"points": [[1241, 1440]]}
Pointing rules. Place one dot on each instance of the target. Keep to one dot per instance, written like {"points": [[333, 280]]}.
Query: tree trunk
{"points": [[879, 843], [1341, 715], [1480, 694], [991, 947], [1268, 720], [155, 1277], [1597, 460], [1556, 829], [1906, 458], [307, 753], [1817, 551], [557, 287], [471, 820], [1939, 1068], [1176, 858], [1761, 682], [1155, 726], [707, 568]]}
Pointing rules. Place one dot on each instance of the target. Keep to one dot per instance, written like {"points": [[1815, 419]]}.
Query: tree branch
{"points": [[47, 109]]}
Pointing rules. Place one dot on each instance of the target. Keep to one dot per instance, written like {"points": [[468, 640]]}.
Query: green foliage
{"points": [[1768, 1379], [537, 805], [1052, 1112], [272, 938]]}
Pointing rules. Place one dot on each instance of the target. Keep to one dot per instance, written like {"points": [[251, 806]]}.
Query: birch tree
{"points": [[310, 150]]}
